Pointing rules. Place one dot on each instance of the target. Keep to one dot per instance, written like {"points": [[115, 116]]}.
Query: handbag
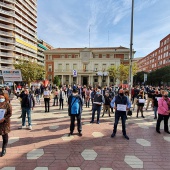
{"points": [[129, 113]]}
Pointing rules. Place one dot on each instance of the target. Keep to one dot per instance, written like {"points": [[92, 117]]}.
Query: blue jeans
{"points": [[123, 118], [155, 111], [98, 109], [38, 98], [26, 110]]}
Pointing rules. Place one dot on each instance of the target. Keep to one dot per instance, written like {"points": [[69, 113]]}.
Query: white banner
{"points": [[74, 73], [11, 75]]}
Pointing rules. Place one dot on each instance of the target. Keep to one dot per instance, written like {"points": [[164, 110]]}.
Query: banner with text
{"points": [[11, 75]]}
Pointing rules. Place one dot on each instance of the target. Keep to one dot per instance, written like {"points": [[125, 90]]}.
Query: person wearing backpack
{"points": [[75, 104]]}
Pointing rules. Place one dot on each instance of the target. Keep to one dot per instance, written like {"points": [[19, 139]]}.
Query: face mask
{"points": [[121, 94], [2, 100], [97, 92]]}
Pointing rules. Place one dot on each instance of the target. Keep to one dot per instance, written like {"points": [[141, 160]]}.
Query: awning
{"points": [[40, 45]]}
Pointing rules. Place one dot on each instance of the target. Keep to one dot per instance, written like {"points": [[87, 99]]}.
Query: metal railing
{"points": [[7, 40]]}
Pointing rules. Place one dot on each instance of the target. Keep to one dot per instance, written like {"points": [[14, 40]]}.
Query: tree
{"points": [[56, 80], [30, 71], [121, 72]]}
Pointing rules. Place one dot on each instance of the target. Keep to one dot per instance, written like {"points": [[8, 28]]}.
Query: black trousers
{"points": [[72, 125], [123, 118], [61, 103], [47, 104], [5, 141], [160, 118]]}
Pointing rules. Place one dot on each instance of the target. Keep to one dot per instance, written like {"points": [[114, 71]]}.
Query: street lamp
{"points": [[131, 52]]}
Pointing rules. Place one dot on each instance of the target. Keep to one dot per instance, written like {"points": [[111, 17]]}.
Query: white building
{"points": [[90, 64]]}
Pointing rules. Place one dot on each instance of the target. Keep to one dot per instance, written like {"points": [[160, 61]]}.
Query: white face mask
{"points": [[2, 100]]}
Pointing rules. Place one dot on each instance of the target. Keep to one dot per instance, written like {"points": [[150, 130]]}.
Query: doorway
{"points": [[85, 81]]}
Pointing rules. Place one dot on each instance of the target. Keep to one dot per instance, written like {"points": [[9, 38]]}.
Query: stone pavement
{"points": [[48, 147]]}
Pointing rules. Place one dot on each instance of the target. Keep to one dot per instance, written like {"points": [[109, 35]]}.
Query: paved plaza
{"points": [[48, 147]]}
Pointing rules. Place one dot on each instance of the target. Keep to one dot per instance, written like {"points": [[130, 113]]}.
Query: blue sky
{"points": [[66, 23]]}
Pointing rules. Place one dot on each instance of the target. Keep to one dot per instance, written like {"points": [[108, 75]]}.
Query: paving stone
{"points": [[167, 138], [35, 154], [41, 168], [106, 169], [8, 168], [53, 127], [89, 154], [13, 140], [73, 168], [143, 126], [143, 142], [97, 134], [133, 161], [67, 138]]}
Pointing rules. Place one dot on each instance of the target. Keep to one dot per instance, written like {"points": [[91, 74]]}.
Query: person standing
{"points": [[97, 103], [163, 112], [27, 104], [75, 104], [120, 103], [47, 95], [87, 97], [150, 95], [61, 96], [140, 103], [38, 94], [5, 114], [155, 99], [55, 95], [106, 105]]}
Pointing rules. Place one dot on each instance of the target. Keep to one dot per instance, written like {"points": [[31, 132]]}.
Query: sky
{"points": [[70, 23]]}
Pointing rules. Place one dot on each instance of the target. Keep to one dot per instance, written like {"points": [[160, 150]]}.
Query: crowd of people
{"points": [[108, 99]]}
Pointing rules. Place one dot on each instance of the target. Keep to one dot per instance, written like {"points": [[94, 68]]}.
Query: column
{"points": [[62, 79], [100, 80], [108, 81], [69, 79], [89, 80]]}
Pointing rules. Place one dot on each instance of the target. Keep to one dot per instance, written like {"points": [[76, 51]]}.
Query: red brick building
{"points": [[156, 59]]}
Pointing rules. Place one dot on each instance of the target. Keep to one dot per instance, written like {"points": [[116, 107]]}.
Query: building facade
{"points": [[156, 59], [18, 36], [86, 66], [41, 47]]}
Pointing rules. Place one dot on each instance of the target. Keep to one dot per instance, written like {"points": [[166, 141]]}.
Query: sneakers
{"points": [[80, 134], [30, 127], [22, 127]]}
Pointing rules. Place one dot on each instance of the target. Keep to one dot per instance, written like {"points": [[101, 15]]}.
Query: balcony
{"points": [[6, 33], [10, 20], [6, 61], [10, 6], [6, 47], [41, 54], [7, 40], [10, 13], [12, 1], [6, 54], [28, 7]]}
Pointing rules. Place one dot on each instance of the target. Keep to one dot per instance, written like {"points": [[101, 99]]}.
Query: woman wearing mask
{"points": [[140, 103], [47, 95], [163, 112], [5, 114]]}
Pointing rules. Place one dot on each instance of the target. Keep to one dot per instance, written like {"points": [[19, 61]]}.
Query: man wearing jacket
{"points": [[120, 103], [97, 103], [27, 104]]}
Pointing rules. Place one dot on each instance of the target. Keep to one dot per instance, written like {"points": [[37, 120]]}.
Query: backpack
{"points": [[75, 105]]}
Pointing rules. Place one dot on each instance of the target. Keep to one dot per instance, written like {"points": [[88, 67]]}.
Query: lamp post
{"points": [[131, 51]]}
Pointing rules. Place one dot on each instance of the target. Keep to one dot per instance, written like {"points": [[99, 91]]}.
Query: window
{"points": [[126, 57], [96, 67], [74, 66], [103, 66], [49, 68], [95, 79], [103, 55], [60, 67], [50, 57], [67, 67]]}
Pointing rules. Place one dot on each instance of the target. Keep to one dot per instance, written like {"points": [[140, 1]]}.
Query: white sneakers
{"points": [[30, 127], [24, 127]]}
